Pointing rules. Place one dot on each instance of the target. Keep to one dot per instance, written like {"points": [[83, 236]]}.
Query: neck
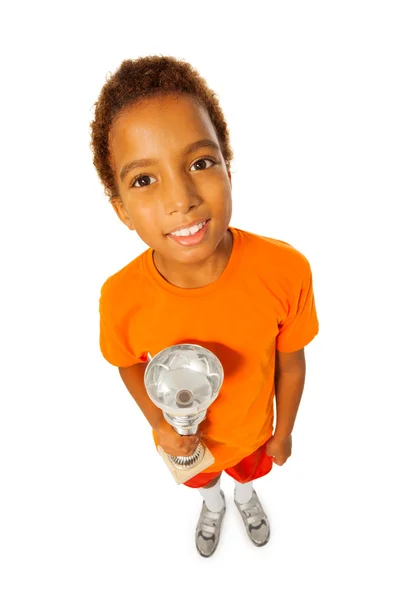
{"points": [[201, 274]]}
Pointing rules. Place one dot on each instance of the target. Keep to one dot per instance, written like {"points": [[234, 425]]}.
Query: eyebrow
{"points": [[147, 162]]}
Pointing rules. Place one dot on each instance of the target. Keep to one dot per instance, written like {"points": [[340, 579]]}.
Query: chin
{"points": [[192, 255]]}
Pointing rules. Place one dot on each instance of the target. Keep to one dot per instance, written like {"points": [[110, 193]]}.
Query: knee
{"points": [[213, 482]]}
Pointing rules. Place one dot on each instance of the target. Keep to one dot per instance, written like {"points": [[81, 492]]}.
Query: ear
{"points": [[122, 213], [230, 177]]}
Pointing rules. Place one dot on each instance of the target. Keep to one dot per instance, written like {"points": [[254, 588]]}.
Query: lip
{"points": [[188, 225], [190, 241]]}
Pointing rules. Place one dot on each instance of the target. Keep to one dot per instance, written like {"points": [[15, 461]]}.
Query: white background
{"points": [[311, 94]]}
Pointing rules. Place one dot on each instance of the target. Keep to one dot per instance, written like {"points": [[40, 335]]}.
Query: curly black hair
{"points": [[148, 77]]}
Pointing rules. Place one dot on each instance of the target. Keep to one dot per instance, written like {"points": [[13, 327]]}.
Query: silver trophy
{"points": [[183, 381]]}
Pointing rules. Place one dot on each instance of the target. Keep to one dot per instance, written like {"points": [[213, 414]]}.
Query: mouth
{"points": [[184, 229], [186, 238]]}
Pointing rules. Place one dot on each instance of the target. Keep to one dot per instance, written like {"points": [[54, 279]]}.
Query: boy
{"points": [[247, 298]]}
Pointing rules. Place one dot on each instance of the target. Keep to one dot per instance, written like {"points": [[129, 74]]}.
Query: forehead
{"points": [[159, 124]]}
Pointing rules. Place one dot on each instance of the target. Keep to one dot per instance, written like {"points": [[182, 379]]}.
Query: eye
{"points": [[141, 178], [202, 161]]}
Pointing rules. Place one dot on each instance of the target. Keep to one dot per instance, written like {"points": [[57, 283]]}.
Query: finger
{"points": [[180, 452], [190, 445], [187, 444], [193, 441]]}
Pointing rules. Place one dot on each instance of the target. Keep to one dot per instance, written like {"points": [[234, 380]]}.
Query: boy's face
{"points": [[179, 187]]}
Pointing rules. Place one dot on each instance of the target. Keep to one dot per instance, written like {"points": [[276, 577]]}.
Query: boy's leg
{"points": [[212, 494], [250, 508], [209, 524], [254, 518], [213, 482], [243, 491]]}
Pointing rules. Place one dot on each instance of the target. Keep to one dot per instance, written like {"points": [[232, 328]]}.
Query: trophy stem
{"points": [[186, 425], [187, 462]]}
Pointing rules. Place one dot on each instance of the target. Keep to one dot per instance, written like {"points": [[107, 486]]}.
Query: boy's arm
{"points": [[133, 378], [172, 442], [290, 372]]}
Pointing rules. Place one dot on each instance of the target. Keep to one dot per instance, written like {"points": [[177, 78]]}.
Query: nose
{"points": [[180, 193]]}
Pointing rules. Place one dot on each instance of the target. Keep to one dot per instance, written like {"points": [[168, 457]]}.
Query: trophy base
{"points": [[181, 475]]}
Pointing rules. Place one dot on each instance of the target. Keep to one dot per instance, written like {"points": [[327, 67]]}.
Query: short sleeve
{"points": [[301, 324], [114, 340]]}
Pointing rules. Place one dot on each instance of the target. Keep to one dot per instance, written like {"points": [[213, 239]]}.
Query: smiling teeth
{"points": [[191, 231]]}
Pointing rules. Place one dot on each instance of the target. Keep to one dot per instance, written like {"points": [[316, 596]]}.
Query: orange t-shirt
{"points": [[262, 301]]}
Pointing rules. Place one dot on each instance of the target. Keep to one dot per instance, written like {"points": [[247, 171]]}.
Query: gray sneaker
{"points": [[255, 520], [208, 529]]}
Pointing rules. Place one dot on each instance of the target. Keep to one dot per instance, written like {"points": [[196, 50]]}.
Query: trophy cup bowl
{"points": [[183, 381]]}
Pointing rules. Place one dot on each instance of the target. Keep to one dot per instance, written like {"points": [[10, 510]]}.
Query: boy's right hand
{"points": [[175, 444]]}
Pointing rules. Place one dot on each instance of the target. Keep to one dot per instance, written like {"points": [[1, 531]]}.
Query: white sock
{"points": [[243, 492], [212, 497]]}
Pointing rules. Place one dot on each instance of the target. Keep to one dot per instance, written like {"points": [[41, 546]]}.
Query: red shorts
{"points": [[251, 467]]}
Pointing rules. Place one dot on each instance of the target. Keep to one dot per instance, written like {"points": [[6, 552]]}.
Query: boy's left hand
{"points": [[279, 449]]}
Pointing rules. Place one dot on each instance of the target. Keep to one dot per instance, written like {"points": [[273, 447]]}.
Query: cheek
{"points": [[220, 191], [226, 199], [149, 219]]}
